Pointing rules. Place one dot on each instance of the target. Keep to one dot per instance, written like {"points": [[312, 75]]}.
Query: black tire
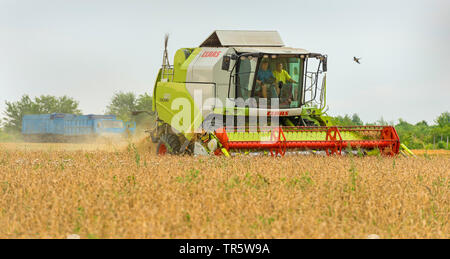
{"points": [[168, 144]]}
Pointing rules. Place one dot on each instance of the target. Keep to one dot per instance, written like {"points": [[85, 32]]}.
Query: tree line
{"points": [[122, 104], [414, 136]]}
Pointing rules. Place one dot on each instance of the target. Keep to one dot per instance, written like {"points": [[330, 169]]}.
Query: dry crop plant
{"points": [[129, 193]]}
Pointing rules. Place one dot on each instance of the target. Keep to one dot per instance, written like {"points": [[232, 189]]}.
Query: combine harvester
{"points": [[60, 127], [244, 92]]}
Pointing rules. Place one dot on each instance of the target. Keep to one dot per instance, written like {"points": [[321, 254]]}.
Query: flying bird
{"points": [[356, 60]]}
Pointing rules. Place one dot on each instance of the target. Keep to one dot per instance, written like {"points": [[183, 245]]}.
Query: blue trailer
{"points": [[60, 127]]}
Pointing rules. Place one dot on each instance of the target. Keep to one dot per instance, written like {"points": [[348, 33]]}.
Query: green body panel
{"points": [[316, 115], [180, 68], [158, 78], [181, 63], [169, 96], [165, 93]]}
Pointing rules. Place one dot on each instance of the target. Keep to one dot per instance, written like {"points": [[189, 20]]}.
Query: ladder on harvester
{"points": [[167, 71]]}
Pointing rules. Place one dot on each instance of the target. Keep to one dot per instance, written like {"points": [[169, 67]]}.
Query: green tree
{"points": [[348, 120], [343, 121], [382, 122], [356, 120], [122, 105], [442, 130], [44, 104], [422, 123], [144, 103], [443, 119]]}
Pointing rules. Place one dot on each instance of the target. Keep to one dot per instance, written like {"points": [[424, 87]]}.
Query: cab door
{"points": [[245, 76]]}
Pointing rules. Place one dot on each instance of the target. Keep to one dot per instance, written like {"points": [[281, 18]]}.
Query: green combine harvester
{"points": [[244, 92]]}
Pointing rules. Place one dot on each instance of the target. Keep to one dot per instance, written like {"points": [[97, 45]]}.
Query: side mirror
{"points": [[226, 63], [324, 64]]}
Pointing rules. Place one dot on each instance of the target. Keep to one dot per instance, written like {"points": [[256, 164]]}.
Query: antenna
{"points": [[167, 70], [166, 56]]}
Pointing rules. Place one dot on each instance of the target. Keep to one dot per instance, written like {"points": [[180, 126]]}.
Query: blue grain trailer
{"points": [[60, 127]]}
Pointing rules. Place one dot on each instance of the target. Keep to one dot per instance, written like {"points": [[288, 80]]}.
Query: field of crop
{"points": [[111, 191], [440, 152]]}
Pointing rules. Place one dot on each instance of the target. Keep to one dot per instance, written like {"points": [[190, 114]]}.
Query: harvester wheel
{"points": [[154, 139], [168, 144], [153, 135]]}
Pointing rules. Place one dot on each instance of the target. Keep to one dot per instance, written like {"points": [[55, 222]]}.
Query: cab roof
{"points": [[268, 42], [224, 38], [272, 50]]}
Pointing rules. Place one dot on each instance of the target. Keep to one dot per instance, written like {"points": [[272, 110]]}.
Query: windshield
{"points": [[274, 79]]}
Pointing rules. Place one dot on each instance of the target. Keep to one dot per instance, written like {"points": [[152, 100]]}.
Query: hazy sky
{"points": [[90, 49]]}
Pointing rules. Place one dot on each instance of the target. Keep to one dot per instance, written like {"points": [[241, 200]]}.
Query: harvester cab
{"points": [[246, 92]]}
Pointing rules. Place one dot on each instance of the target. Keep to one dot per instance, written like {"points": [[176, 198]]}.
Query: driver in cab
{"points": [[282, 75], [281, 78], [263, 78]]}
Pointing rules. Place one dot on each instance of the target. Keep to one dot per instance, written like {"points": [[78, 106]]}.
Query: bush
{"points": [[9, 137]]}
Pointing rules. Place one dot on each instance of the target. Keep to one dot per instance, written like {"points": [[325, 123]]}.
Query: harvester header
{"points": [[246, 92]]}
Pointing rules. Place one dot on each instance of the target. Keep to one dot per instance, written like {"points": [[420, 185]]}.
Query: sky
{"points": [[91, 49]]}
